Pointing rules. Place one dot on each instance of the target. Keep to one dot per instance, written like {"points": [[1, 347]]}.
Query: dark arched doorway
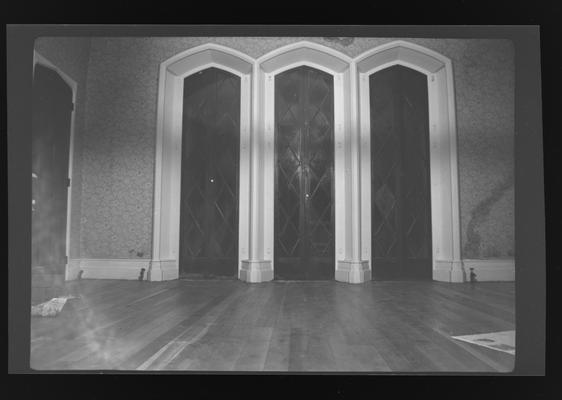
{"points": [[51, 124], [209, 174], [400, 175]]}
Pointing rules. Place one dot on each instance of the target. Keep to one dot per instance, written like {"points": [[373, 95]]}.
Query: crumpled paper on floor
{"points": [[50, 308]]}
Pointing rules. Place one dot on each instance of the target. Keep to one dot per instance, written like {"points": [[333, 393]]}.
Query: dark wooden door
{"points": [[51, 120], [209, 174], [400, 191], [304, 214]]}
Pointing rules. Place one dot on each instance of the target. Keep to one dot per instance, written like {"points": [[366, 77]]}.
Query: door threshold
{"points": [[304, 280], [205, 277]]}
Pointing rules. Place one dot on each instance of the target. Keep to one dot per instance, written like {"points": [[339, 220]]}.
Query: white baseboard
{"points": [[255, 271], [261, 271], [491, 270], [72, 269], [449, 271], [163, 270], [353, 271], [110, 268]]}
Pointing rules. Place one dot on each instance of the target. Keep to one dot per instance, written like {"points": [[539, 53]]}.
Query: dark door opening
{"points": [[209, 174], [51, 122], [400, 186], [304, 212]]}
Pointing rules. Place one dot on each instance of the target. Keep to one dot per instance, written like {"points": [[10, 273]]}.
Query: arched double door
{"points": [[304, 174]]}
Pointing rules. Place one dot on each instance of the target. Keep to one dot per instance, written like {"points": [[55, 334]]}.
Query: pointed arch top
{"points": [[403, 53], [208, 55], [304, 53], [41, 60]]}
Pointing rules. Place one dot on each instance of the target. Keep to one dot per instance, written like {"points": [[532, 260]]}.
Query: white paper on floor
{"points": [[50, 308], [502, 341]]}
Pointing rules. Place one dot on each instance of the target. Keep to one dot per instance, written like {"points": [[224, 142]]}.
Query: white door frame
{"points": [[447, 264], [167, 180], [43, 61], [346, 216], [352, 167]]}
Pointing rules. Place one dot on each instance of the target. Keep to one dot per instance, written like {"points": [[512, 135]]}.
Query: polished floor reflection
{"points": [[229, 325]]}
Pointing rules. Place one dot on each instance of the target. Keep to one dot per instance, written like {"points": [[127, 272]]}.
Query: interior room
{"points": [[289, 204]]}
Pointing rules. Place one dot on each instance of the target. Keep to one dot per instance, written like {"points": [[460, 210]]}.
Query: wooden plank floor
{"points": [[229, 325]]}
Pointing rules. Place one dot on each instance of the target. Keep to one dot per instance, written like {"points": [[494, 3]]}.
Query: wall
{"points": [[71, 55], [120, 127]]}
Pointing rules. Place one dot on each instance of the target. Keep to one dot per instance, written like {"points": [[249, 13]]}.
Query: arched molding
{"points": [[39, 59], [351, 154], [447, 264], [167, 180]]}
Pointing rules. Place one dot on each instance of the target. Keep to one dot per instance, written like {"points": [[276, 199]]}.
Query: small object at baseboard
{"points": [[141, 275], [80, 274], [472, 275]]}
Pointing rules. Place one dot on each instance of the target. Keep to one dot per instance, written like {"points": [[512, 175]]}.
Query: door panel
{"points": [[52, 110], [304, 213], [400, 191], [209, 183]]}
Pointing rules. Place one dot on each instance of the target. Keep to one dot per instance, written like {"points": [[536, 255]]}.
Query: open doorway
{"points": [[51, 129]]}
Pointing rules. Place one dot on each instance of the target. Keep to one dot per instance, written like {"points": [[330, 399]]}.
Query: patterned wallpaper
{"points": [[71, 55], [120, 127]]}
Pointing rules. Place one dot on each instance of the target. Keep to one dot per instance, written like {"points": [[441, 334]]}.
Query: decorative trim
{"points": [[113, 268], [353, 271], [72, 269], [262, 270], [162, 270], [255, 271], [491, 270], [449, 271], [41, 60], [304, 53]]}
